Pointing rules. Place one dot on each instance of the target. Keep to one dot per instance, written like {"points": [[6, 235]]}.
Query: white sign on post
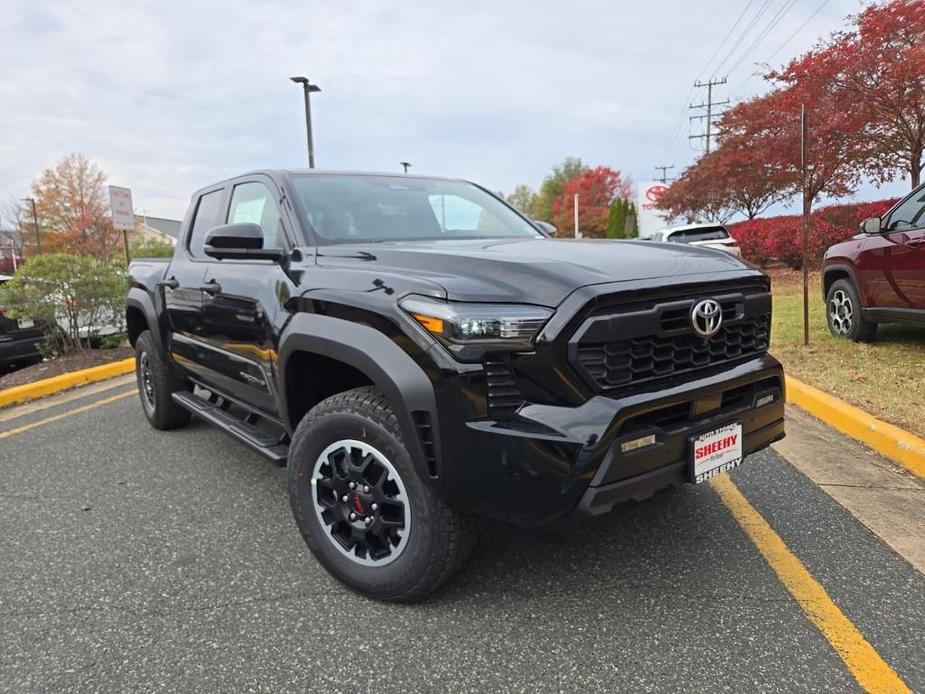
{"points": [[651, 219], [123, 212]]}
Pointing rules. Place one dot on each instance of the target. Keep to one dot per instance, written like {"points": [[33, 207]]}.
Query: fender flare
{"points": [[140, 299], [840, 267], [390, 368]]}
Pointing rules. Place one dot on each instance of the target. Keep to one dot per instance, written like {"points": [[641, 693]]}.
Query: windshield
{"points": [[352, 208]]}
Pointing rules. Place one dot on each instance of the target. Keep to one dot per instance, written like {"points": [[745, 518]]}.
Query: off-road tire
{"points": [[440, 538], [157, 404], [844, 313]]}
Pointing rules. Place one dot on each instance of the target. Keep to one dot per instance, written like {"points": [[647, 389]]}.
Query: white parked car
{"points": [[706, 235]]}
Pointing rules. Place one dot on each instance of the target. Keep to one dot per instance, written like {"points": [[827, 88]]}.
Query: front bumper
{"points": [[549, 461]]}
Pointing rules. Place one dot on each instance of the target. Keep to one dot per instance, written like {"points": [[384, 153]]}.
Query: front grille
{"points": [[622, 349]]}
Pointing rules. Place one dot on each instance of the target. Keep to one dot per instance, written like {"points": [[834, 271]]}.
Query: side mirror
{"points": [[871, 225], [546, 229], [241, 241]]}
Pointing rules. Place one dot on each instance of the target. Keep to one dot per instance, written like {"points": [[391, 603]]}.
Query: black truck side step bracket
{"points": [[274, 448]]}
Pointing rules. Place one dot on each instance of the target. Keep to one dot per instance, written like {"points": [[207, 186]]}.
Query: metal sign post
{"points": [[804, 135], [123, 214]]}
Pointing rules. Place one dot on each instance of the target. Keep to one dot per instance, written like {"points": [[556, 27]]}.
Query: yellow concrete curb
{"points": [[897, 444], [55, 384]]}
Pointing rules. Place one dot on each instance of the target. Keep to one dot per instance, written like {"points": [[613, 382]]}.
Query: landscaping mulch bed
{"points": [[60, 365]]}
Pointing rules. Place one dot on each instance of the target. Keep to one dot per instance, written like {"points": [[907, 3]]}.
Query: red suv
{"points": [[878, 276]]}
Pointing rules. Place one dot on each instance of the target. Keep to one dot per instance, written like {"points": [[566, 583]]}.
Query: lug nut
{"points": [[345, 498], [368, 520], [366, 488], [353, 516], [352, 485], [375, 507]]}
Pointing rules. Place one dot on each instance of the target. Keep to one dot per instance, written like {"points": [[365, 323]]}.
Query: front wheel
{"points": [[361, 507], [844, 314], [156, 384]]}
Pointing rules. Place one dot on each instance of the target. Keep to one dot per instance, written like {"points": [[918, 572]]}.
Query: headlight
{"points": [[469, 330]]}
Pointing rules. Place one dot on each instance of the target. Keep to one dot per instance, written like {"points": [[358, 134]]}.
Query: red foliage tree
{"points": [[731, 179], [770, 126], [881, 65], [597, 189]]}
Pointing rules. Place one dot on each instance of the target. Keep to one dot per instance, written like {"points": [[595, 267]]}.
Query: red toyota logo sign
{"points": [[655, 192]]}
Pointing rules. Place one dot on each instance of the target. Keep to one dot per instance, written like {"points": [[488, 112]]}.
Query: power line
{"points": [[674, 140], [726, 38], [774, 21], [782, 45], [742, 36], [709, 104]]}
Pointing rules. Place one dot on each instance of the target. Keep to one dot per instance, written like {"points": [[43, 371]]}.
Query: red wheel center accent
{"points": [[358, 504]]}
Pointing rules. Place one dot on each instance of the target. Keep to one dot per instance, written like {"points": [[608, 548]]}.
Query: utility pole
{"points": [[665, 169], [577, 230], [405, 165], [709, 105], [308, 88], [35, 225]]}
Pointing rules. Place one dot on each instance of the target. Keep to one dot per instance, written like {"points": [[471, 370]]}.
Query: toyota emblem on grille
{"points": [[706, 317]]}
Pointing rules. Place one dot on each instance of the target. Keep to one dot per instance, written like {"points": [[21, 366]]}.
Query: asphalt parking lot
{"points": [[137, 560]]}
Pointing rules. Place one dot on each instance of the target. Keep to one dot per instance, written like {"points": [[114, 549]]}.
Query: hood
{"points": [[535, 271]]}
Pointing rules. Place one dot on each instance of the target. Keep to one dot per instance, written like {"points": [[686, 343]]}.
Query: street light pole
{"points": [[307, 89], [406, 165], [35, 225]]}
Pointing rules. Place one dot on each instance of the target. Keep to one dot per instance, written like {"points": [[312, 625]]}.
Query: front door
{"points": [[183, 285], [243, 303], [896, 257]]}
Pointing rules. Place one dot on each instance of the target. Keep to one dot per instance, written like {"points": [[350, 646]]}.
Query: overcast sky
{"points": [[169, 96]]}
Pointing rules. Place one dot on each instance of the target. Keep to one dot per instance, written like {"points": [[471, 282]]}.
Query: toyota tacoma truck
{"points": [[422, 356]]}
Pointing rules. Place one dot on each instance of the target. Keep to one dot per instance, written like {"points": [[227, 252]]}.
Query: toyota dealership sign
{"points": [[651, 219]]}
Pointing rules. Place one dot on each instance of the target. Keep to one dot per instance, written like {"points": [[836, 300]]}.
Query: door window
{"points": [[253, 202], [205, 219], [910, 214]]}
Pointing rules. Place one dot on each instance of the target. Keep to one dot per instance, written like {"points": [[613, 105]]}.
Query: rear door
{"points": [[183, 283], [893, 262], [243, 300]]}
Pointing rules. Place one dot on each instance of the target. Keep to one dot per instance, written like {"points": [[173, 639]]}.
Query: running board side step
{"points": [[276, 449]]}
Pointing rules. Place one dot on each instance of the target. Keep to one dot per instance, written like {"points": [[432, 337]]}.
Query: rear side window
{"points": [[692, 235], [205, 219]]}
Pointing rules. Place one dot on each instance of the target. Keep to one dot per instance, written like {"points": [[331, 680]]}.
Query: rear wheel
{"points": [[361, 507], [156, 384], [844, 313]]}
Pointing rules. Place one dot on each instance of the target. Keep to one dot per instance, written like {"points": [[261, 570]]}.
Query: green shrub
{"points": [[152, 248], [76, 296]]}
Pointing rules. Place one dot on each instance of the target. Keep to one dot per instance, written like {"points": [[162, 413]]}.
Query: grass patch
{"points": [[885, 378]]}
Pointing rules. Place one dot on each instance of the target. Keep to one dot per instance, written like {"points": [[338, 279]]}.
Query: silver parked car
{"points": [[706, 235]]}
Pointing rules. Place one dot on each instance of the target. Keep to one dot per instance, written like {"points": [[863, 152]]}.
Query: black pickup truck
{"points": [[423, 356]]}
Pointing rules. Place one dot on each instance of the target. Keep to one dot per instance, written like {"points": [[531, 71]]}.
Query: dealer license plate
{"points": [[716, 451]]}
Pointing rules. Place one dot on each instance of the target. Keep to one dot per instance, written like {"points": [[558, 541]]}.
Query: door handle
{"points": [[172, 283], [211, 288]]}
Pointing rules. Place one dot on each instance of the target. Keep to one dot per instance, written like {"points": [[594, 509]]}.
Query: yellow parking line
{"points": [[55, 418], [864, 663]]}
